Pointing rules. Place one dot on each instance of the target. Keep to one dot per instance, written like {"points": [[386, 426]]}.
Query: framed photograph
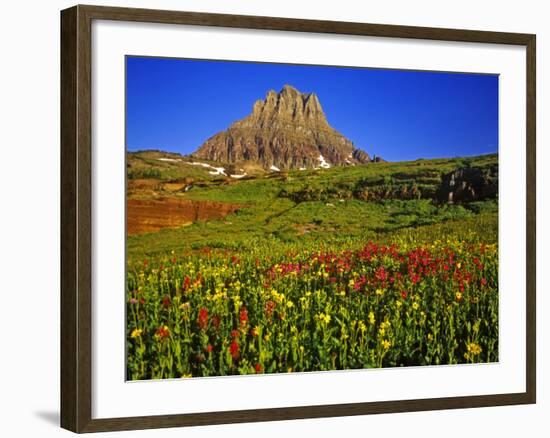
{"points": [[270, 218]]}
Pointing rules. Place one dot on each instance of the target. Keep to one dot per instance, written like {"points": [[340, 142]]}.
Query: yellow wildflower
{"points": [[474, 349], [386, 344], [279, 297], [136, 333], [415, 305], [371, 317]]}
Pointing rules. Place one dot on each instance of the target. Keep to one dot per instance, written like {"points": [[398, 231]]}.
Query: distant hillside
{"points": [[471, 178]]}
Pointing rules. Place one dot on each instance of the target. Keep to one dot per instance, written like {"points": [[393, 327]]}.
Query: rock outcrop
{"points": [[286, 130], [468, 184]]}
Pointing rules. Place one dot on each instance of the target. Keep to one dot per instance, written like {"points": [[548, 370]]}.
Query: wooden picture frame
{"points": [[76, 217]]}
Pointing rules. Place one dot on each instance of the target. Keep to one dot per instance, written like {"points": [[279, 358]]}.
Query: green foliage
{"points": [[145, 173]]}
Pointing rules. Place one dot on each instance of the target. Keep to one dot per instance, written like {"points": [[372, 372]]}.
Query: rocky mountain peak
{"points": [[288, 104], [285, 130]]}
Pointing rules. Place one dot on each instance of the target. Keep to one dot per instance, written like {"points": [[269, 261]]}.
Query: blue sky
{"points": [[177, 104]]}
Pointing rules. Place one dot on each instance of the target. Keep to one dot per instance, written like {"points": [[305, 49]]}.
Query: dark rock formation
{"points": [[468, 184], [287, 130]]}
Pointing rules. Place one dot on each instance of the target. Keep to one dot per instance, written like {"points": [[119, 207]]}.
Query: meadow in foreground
{"points": [[217, 312]]}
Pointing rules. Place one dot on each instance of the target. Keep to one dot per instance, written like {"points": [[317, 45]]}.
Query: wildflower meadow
{"points": [[214, 312]]}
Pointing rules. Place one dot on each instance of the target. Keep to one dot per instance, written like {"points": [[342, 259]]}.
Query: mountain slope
{"points": [[286, 130]]}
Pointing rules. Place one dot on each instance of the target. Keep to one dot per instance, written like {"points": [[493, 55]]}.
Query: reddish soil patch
{"points": [[146, 215]]}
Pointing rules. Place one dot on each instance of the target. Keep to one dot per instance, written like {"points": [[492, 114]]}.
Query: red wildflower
{"points": [[209, 348], [235, 333], [359, 283], [234, 350], [163, 332], [166, 302], [404, 294], [259, 368], [203, 318], [186, 283], [483, 282], [270, 307], [216, 320], [243, 316], [381, 274]]}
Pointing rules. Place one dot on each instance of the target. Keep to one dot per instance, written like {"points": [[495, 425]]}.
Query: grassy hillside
{"points": [[315, 206]]}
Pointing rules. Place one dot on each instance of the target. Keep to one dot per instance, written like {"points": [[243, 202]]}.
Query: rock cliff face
{"points": [[286, 130]]}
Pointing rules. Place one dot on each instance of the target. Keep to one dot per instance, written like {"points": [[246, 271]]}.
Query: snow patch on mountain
{"points": [[171, 160], [214, 171], [324, 163]]}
